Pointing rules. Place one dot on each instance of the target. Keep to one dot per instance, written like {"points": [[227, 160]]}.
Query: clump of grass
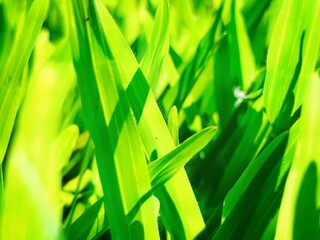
{"points": [[159, 119]]}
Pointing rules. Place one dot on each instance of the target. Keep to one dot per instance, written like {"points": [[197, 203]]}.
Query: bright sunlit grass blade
{"points": [[65, 144], [173, 125], [186, 220], [195, 67], [158, 46], [11, 83], [310, 56], [299, 213], [1, 191], [33, 170], [289, 65], [242, 59]]}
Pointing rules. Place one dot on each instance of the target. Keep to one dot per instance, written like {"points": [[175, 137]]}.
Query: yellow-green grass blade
{"points": [[158, 46], [33, 179], [173, 125], [289, 66], [300, 207], [195, 67], [241, 56], [310, 49], [180, 211], [187, 27], [66, 143], [11, 86], [120, 158], [1, 191], [164, 168]]}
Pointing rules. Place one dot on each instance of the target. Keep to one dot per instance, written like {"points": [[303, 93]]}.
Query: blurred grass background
{"points": [[159, 119]]}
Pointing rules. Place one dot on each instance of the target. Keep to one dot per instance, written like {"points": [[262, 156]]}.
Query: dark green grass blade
{"points": [[228, 156], [6, 38], [235, 225], [82, 227], [234, 63]]}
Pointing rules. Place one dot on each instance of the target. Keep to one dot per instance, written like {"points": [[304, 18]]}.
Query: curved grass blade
{"points": [[164, 168], [82, 227]]}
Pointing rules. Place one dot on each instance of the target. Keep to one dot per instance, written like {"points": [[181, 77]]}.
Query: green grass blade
{"points": [[6, 38], [120, 158], [299, 212], [252, 170], [193, 70], [162, 169], [11, 86], [33, 165], [82, 227], [240, 211], [158, 46], [1, 190], [173, 125], [242, 59], [288, 65], [66, 143], [310, 56], [240, 155], [181, 212]]}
